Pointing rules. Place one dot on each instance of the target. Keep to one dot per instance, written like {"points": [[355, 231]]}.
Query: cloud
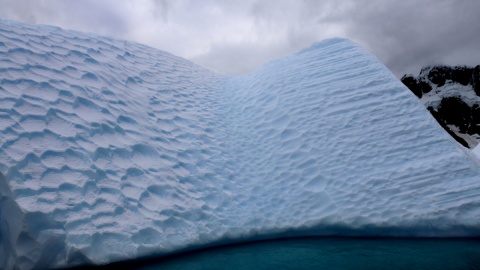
{"points": [[407, 35], [102, 17], [275, 28], [235, 37]]}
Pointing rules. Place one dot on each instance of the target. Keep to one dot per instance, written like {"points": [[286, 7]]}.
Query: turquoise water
{"points": [[330, 253]]}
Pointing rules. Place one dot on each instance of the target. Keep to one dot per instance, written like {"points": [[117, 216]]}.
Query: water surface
{"points": [[329, 253]]}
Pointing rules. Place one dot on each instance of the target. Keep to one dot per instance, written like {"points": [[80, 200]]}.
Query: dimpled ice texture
{"points": [[113, 150]]}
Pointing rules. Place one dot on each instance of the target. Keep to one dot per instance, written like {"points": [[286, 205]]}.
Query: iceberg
{"points": [[114, 150], [476, 151]]}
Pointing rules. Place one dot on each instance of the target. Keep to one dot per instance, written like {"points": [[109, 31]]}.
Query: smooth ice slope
{"points": [[476, 151], [113, 150]]}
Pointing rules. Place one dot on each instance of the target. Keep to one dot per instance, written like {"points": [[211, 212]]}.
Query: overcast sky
{"points": [[234, 37]]}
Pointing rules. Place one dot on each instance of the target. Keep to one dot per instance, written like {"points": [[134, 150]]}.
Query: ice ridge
{"points": [[114, 150]]}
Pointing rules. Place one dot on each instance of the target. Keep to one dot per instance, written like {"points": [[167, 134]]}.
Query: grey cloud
{"points": [[236, 58], [103, 17], [279, 28], [162, 8], [237, 36], [407, 35], [25, 10]]}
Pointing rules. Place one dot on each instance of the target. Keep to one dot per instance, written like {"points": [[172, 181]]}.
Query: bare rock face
{"points": [[475, 81], [452, 95], [416, 86]]}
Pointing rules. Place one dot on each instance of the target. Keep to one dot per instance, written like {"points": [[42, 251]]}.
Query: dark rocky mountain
{"points": [[452, 95]]}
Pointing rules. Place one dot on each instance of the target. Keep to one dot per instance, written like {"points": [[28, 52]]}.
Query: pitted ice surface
{"points": [[113, 150]]}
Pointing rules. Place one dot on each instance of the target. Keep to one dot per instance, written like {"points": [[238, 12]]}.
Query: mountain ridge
{"points": [[452, 95]]}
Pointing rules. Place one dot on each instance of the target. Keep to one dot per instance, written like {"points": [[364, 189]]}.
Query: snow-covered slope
{"points": [[113, 150], [452, 95]]}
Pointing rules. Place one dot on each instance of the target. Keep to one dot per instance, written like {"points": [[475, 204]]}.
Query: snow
{"points": [[471, 140], [114, 150], [450, 89], [466, 93]]}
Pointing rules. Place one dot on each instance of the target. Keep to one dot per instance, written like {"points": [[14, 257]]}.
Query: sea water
{"points": [[327, 253]]}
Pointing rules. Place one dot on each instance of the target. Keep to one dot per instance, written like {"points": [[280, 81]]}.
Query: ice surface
{"points": [[476, 151], [114, 150]]}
